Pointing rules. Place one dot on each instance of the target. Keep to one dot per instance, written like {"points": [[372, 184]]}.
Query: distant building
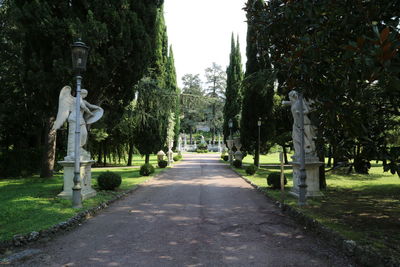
{"points": [[202, 127]]}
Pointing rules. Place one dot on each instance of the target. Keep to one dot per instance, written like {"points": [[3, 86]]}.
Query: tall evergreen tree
{"points": [[257, 92], [173, 87], [120, 35], [216, 80], [233, 96]]}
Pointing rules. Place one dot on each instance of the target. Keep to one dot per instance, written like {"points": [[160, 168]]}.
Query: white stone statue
{"points": [[203, 141], [180, 143], [66, 111], [184, 142], [309, 129]]}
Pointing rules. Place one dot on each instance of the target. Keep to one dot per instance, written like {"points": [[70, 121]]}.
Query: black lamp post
{"points": [[79, 58], [258, 141], [303, 173], [230, 125]]}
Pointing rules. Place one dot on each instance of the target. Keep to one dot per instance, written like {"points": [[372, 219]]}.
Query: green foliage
{"points": [[201, 150], [109, 180], [202, 146], [162, 163], [151, 131], [233, 94], [146, 169], [251, 169], [216, 81], [177, 157], [35, 37], [361, 165], [237, 163], [274, 180], [225, 158], [342, 55]]}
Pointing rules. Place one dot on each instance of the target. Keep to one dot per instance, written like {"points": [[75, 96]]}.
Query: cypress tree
{"points": [[258, 93], [233, 96], [173, 87]]}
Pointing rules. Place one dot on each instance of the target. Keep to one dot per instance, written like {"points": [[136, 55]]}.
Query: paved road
{"points": [[198, 213]]}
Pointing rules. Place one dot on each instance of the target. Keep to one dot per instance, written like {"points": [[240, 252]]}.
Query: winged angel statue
{"points": [[66, 111]]}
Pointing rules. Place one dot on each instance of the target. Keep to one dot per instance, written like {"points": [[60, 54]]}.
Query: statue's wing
{"points": [[65, 105], [97, 113]]}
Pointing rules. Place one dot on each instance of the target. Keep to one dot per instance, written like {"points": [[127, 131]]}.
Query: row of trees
{"points": [[344, 56], [203, 104], [128, 47]]}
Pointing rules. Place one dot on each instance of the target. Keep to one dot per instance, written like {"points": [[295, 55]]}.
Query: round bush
{"points": [[202, 146], [274, 180], [361, 165], [251, 169], [177, 158], [109, 180], [226, 158], [237, 163], [146, 169], [162, 163]]}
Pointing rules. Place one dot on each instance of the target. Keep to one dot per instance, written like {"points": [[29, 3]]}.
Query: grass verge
{"points": [[31, 204], [363, 208]]}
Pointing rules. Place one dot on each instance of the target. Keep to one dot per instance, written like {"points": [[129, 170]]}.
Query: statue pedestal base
{"points": [[312, 180], [86, 179]]}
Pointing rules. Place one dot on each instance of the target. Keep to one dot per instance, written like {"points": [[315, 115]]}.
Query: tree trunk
{"points": [[320, 146], [49, 153], [329, 164], [147, 159], [100, 155], [130, 154], [322, 178], [104, 154], [257, 154], [190, 134], [285, 155]]}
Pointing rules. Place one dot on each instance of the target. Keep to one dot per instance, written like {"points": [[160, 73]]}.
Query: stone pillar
{"points": [[184, 142], [312, 180], [86, 179], [170, 153], [160, 155], [230, 151]]}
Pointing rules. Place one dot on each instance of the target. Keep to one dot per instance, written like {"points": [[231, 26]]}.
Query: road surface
{"points": [[199, 213]]}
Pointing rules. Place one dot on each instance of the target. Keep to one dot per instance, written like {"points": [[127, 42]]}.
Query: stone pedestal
{"points": [[312, 180], [238, 155], [86, 179]]}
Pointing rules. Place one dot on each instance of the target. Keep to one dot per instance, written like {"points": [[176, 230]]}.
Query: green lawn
{"points": [[30, 204], [365, 208], [272, 158], [137, 160]]}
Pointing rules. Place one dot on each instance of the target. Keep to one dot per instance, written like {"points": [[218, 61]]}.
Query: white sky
{"points": [[200, 33]]}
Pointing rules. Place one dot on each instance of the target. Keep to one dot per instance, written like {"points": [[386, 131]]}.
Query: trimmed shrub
{"points": [[361, 165], [226, 158], [201, 150], [109, 180], [237, 163], [146, 169], [251, 169], [177, 158], [162, 163], [202, 146], [274, 180]]}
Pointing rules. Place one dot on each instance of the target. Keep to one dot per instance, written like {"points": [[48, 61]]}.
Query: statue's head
{"points": [[84, 93], [293, 95]]}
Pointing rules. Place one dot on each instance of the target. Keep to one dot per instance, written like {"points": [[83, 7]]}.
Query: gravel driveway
{"points": [[199, 213]]}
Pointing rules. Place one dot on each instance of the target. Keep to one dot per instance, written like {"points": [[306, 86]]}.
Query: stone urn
{"points": [[160, 155]]}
